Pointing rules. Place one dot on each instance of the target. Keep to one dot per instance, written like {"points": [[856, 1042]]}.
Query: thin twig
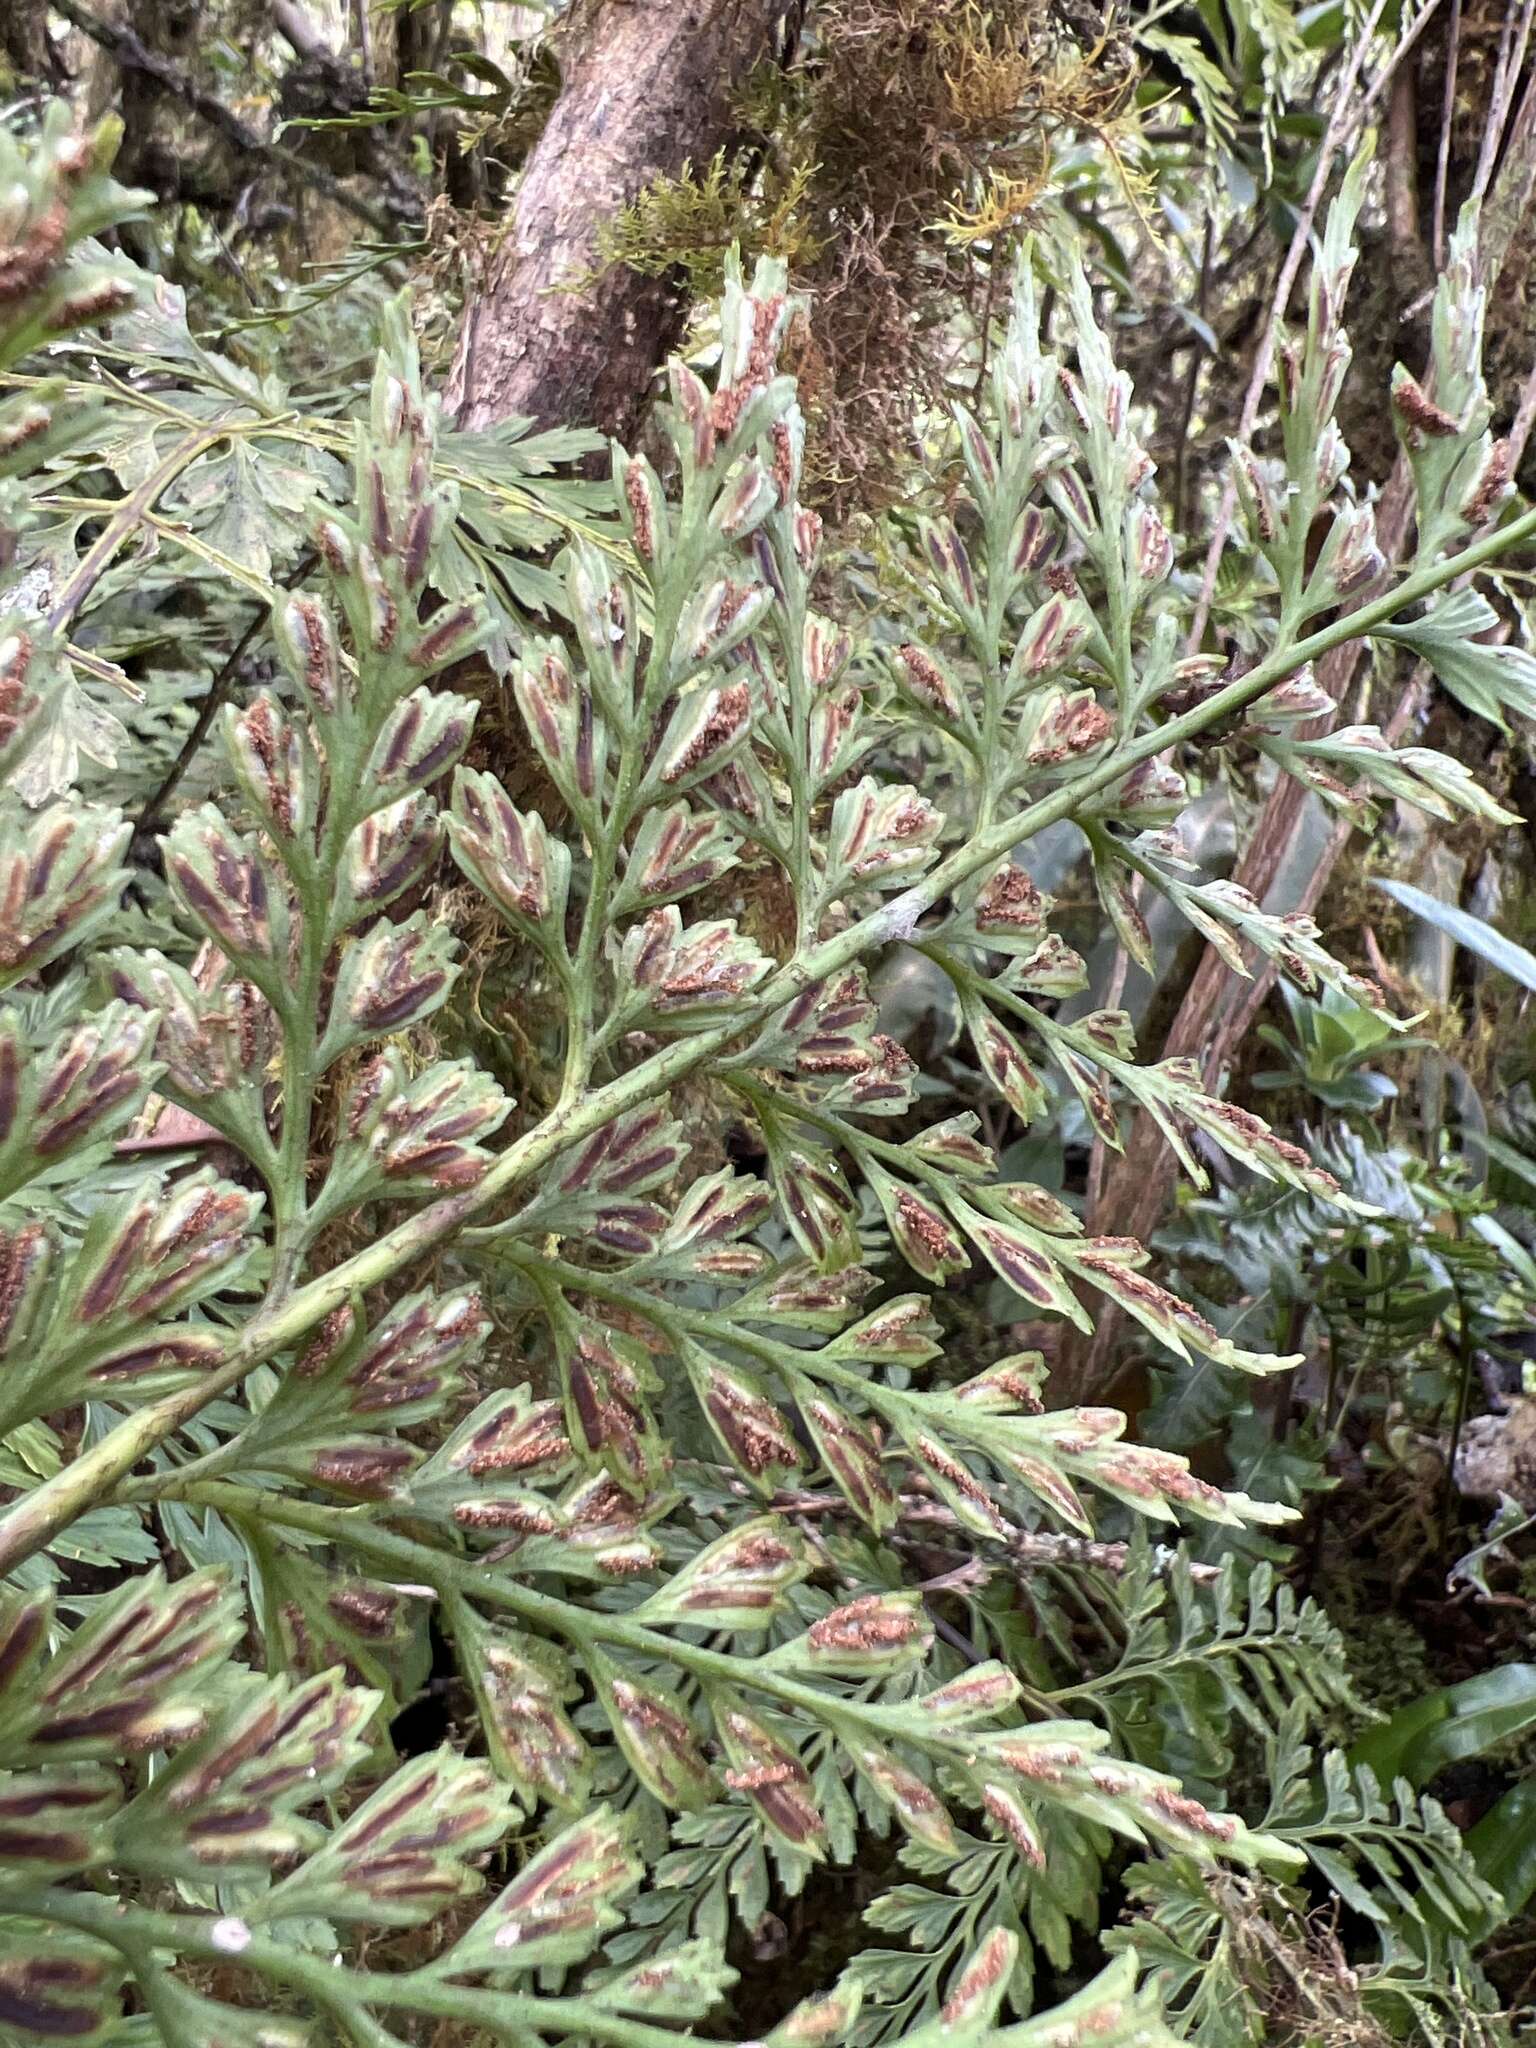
{"points": [[1401, 175], [152, 814], [1192, 384], [365, 42], [1447, 116], [1465, 1362]]}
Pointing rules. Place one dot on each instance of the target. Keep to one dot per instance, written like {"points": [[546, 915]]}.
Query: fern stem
{"points": [[471, 1579], [136, 1931]]}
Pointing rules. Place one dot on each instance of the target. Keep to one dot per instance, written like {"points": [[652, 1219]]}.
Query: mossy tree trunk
{"points": [[647, 86]]}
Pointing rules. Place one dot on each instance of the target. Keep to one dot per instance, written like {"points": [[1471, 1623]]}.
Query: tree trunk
{"points": [[647, 86]]}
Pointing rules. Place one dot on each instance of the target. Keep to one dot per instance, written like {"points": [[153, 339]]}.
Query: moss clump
{"points": [[893, 168]]}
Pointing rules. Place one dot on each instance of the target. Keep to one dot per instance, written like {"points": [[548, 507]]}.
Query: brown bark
{"points": [[1402, 173], [647, 85]]}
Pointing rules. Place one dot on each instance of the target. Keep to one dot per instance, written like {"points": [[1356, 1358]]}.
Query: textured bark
{"points": [[647, 85]]}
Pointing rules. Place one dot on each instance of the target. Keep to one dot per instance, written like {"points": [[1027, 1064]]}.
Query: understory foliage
{"points": [[538, 1275]]}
